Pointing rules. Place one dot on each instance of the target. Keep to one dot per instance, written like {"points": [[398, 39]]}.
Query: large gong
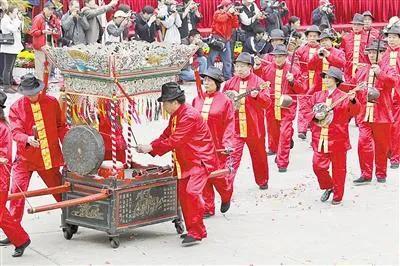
{"points": [[83, 150]]}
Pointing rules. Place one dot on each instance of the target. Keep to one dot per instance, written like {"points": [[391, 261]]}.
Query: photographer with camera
{"points": [[190, 16], [171, 21], [274, 12], [292, 26], [74, 25], [323, 15], [115, 28], [249, 17], [259, 44], [225, 20], [147, 24]]}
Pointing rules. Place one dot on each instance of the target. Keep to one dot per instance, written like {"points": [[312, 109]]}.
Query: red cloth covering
{"points": [[224, 23], [38, 25], [384, 82], [192, 142], [22, 122], [338, 134], [336, 59], [5, 152]]}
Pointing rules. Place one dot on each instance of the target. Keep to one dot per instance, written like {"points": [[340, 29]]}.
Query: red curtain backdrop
{"points": [[344, 9]]}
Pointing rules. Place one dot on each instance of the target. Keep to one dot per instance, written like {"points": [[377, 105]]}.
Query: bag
{"points": [[6, 39], [217, 43]]}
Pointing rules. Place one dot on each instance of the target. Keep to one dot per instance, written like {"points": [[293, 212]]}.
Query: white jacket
{"points": [[9, 25]]}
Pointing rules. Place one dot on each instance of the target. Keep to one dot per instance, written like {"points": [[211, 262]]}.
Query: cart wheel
{"points": [[74, 228], [67, 233], [180, 228], [114, 242]]}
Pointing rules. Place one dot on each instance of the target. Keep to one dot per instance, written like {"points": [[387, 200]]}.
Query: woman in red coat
{"points": [[330, 141], [16, 235], [217, 109]]}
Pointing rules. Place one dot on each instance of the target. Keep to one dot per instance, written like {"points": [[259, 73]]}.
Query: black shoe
{"points": [[381, 180], [264, 187], [282, 170], [291, 144], [225, 206], [302, 135], [270, 153], [362, 181], [189, 241], [19, 251], [5, 242], [183, 236], [326, 195], [336, 202], [394, 165]]}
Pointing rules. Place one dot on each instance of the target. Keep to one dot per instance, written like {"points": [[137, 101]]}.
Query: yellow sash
{"points": [[311, 73], [206, 107], [242, 110], [41, 132], [324, 135], [175, 162], [325, 67], [356, 53], [369, 112], [278, 93], [392, 63]]}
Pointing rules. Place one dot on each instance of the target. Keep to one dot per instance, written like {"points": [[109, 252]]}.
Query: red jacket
{"points": [[22, 122], [191, 140], [336, 59], [38, 25], [347, 46], [254, 107], [384, 82], [297, 87], [224, 23], [221, 118], [386, 61], [338, 130], [5, 152]]}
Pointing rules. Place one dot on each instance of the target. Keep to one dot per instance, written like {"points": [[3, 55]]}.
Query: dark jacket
{"points": [[320, 17], [274, 18], [184, 29], [144, 31], [257, 47]]}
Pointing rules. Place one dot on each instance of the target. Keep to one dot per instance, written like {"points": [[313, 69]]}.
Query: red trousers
{"points": [[258, 157], [192, 203], [321, 162], [21, 179], [11, 228], [373, 141], [302, 120], [395, 143], [281, 133]]}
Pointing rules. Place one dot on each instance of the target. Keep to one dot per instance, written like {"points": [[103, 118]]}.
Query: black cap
{"points": [[358, 19], [369, 14], [393, 30], [30, 85], [280, 50], [335, 73], [170, 91], [215, 73], [277, 34], [313, 28], [246, 58], [3, 99], [49, 5], [326, 34], [373, 46]]}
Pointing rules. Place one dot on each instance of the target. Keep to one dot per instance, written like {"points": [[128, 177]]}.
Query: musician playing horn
{"points": [[330, 141], [376, 116], [249, 118], [217, 109], [285, 79]]}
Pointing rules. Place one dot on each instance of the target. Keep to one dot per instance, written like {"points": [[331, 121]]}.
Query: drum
{"points": [[83, 150], [285, 101], [373, 94], [326, 114], [106, 170]]}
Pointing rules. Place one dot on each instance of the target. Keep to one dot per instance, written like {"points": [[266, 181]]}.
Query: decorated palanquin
{"points": [[107, 90]]}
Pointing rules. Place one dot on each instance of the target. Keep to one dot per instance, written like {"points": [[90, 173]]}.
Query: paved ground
{"points": [[286, 224]]}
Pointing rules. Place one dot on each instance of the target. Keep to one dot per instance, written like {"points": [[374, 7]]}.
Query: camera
{"points": [[328, 8], [238, 7]]}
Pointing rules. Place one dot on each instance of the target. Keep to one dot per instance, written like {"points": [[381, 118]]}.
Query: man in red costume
{"points": [[37, 128], [376, 116], [372, 33], [249, 118], [304, 55], [330, 141], [16, 235], [353, 44], [392, 58], [285, 79], [194, 156], [217, 109]]}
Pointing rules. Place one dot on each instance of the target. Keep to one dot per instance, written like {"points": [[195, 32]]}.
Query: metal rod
{"points": [[69, 203], [41, 192]]}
